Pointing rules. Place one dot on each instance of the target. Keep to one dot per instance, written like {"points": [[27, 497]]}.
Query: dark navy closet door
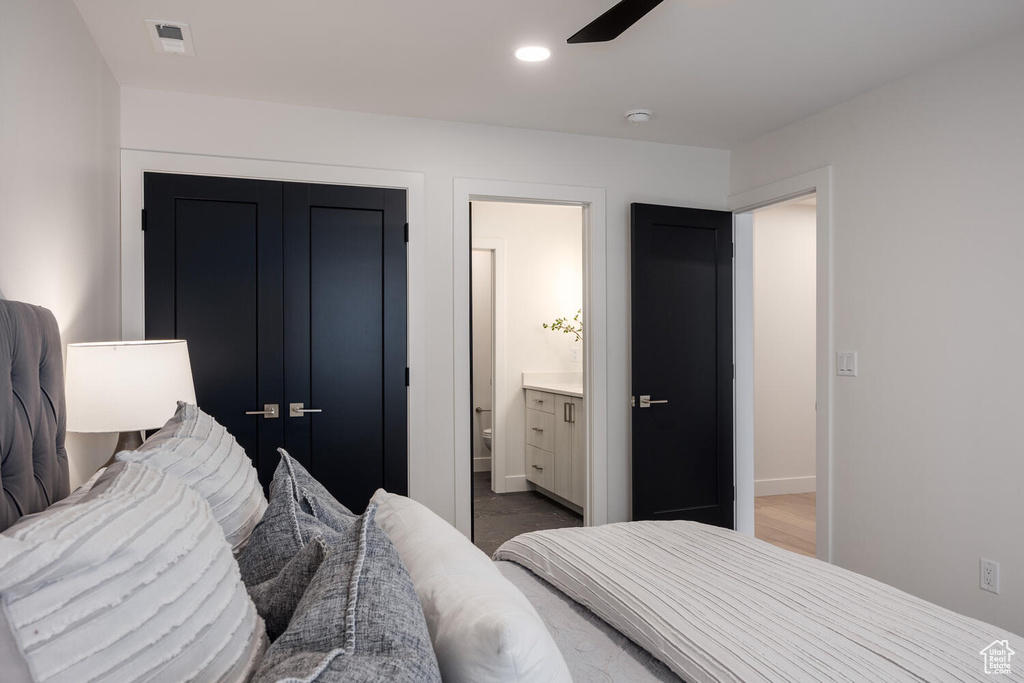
{"points": [[213, 277], [289, 293], [345, 340]]}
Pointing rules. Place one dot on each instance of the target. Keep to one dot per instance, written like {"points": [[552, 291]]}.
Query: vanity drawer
{"points": [[539, 400], [540, 467], [540, 429]]}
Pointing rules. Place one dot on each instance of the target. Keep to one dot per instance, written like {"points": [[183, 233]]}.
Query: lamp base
{"points": [[126, 441]]}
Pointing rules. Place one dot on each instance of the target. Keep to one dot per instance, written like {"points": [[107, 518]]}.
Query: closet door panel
{"points": [[217, 309], [347, 350], [213, 278]]}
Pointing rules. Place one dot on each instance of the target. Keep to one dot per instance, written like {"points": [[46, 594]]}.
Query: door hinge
{"points": [[734, 250], [143, 220], [734, 371], [406, 232], [407, 377], [734, 493]]}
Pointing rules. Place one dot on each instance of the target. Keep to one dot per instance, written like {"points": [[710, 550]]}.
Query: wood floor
{"points": [[786, 521]]}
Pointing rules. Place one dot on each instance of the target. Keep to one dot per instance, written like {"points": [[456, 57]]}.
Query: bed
{"points": [[171, 565]]}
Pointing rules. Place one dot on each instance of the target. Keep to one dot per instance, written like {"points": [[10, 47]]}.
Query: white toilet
{"points": [[487, 438]]}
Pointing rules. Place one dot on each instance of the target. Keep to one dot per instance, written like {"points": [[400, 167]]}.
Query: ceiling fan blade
{"points": [[612, 23]]}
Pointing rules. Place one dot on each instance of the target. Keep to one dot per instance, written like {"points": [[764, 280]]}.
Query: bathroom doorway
{"points": [[529, 440]]}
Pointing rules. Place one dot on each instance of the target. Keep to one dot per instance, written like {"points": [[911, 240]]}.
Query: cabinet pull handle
{"points": [[538, 467], [572, 412], [537, 429], [565, 412], [540, 401]]}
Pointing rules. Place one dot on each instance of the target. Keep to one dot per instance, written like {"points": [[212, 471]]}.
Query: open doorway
{"points": [[529, 438], [743, 205], [784, 369]]}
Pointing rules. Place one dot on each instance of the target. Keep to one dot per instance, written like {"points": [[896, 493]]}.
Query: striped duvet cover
{"points": [[715, 605]]}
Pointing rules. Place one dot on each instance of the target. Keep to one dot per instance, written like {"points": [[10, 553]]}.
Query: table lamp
{"points": [[126, 387]]}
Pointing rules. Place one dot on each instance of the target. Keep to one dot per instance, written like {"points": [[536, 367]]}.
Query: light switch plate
{"points": [[574, 354], [846, 363]]}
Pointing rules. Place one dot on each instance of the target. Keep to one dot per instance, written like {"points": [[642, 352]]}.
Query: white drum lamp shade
{"points": [[126, 386]]}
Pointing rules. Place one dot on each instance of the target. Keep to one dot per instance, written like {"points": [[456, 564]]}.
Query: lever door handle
{"points": [[296, 410], [537, 467], [537, 429], [646, 402], [269, 411]]}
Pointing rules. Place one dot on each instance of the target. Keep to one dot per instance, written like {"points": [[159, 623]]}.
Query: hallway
{"points": [[786, 521]]}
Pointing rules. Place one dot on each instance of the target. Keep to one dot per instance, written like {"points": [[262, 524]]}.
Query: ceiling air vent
{"points": [[171, 37]]}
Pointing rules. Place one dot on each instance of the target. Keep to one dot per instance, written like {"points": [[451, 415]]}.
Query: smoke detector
{"points": [[171, 37], [638, 116]]}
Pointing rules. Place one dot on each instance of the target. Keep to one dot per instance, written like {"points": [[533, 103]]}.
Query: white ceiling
{"points": [[717, 73]]}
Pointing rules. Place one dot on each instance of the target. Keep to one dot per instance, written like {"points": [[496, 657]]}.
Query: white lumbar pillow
{"points": [[198, 450], [134, 582], [482, 627]]}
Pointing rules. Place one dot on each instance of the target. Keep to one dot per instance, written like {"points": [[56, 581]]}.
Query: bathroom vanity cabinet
{"points": [[556, 449]]}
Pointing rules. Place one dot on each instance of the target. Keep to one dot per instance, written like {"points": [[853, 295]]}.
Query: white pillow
{"points": [[134, 582], [482, 627], [198, 450], [80, 492]]}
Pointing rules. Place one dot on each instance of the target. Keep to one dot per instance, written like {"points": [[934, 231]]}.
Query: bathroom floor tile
{"points": [[498, 517]]}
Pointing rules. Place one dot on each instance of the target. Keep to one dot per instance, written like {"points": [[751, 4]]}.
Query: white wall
{"points": [[442, 151], [483, 350], [784, 349], [59, 129], [928, 246], [543, 281]]}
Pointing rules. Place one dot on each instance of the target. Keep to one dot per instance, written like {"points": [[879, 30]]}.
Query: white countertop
{"points": [[563, 383]]}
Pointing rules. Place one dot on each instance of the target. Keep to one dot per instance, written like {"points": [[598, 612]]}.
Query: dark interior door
{"points": [[682, 364], [345, 341], [289, 293], [213, 277]]}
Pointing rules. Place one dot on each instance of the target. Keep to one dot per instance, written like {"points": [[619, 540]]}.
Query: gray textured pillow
{"points": [[279, 536], [277, 597], [288, 545], [359, 620], [314, 498]]}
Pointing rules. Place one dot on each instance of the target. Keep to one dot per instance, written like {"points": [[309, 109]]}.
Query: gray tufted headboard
{"points": [[33, 461]]}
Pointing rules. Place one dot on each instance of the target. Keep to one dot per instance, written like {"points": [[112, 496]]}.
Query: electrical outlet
{"points": [[989, 576]]}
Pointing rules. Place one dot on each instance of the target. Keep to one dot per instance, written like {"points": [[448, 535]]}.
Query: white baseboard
{"points": [[482, 464], [780, 487], [515, 483]]}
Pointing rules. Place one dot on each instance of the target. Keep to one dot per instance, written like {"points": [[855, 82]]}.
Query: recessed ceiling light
{"points": [[533, 53]]}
